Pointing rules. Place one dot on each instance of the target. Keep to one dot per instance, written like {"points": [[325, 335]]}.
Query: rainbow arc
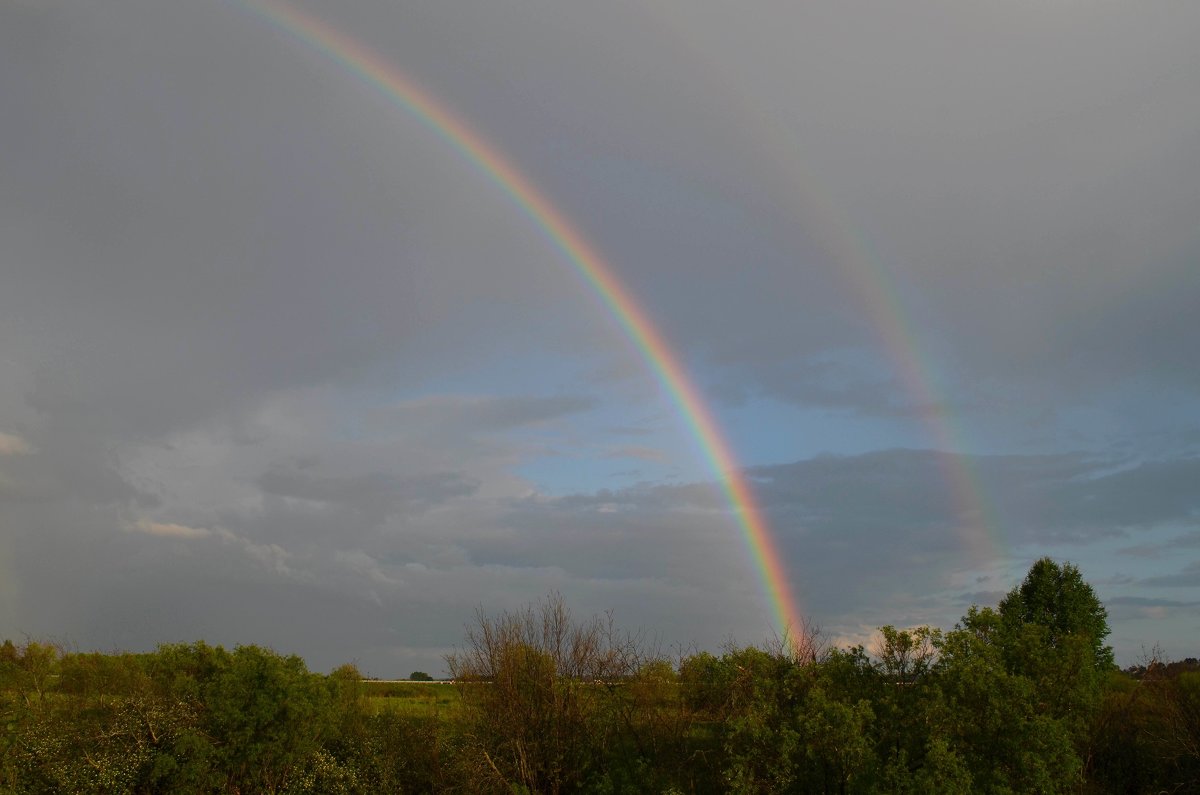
{"points": [[371, 68]]}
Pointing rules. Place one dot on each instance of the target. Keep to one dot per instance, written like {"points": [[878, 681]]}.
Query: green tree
{"points": [[268, 712], [420, 676], [797, 724], [838, 739], [260, 718], [1053, 630], [993, 718], [907, 703], [764, 721], [1058, 599]]}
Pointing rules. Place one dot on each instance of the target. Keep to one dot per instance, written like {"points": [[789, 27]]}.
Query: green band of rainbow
{"points": [[368, 66]]}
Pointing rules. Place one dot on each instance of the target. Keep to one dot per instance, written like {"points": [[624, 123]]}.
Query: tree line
{"points": [[1021, 697]]}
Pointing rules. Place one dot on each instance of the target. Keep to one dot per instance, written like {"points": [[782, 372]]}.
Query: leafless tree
{"points": [[538, 690]]}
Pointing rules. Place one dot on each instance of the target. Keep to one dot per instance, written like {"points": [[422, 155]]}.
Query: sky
{"points": [[279, 364]]}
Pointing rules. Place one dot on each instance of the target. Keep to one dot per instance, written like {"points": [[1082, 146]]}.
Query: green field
{"points": [[439, 699]]}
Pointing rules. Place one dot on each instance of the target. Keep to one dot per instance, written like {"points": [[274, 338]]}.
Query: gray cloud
{"points": [[983, 598], [1034, 498], [374, 492], [1133, 608], [1185, 541], [889, 516], [476, 414], [1143, 601], [1187, 577], [266, 339]]}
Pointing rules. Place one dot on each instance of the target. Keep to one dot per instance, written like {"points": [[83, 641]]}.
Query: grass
{"points": [[413, 698]]}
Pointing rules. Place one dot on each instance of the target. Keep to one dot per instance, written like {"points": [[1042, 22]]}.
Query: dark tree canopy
{"points": [[1058, 599]]}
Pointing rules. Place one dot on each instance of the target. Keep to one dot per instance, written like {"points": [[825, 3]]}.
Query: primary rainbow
{"points": [[370, 67]]}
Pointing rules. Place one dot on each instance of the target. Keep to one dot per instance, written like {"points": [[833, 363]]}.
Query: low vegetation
{"points": [[1023, 697]]}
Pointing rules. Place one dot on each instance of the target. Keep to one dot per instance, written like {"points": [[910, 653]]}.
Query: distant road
{"points": [[411, 681]]}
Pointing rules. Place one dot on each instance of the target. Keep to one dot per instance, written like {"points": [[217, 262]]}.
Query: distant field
{"points": [[413, 698]]}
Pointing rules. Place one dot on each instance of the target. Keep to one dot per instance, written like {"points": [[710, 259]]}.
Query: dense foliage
{"points": [[1022, 698]]}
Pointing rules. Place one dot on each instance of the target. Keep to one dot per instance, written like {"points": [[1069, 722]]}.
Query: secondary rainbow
{"points": [[370, 67], [866, 272]]}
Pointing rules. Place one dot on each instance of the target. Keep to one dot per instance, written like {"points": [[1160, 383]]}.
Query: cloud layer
{"points": [[278, 365]]}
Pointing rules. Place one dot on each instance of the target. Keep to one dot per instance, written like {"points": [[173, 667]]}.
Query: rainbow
{"points": [[371, 68], [869, 278], [976, 522]]}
